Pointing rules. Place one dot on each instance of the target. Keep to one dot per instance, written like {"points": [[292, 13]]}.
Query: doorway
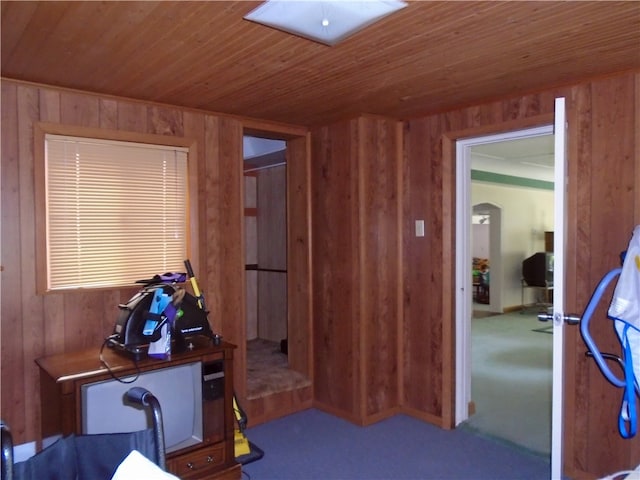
{"points": [[505, 162], [269, 220], [486, 248], [265, 260]]}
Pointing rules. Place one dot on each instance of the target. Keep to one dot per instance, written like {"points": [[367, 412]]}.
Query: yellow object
{"points": [[241, 444], [196, 291]]}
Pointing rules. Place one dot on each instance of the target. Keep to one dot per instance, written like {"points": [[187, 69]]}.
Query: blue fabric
{"points": [[56, 462]]}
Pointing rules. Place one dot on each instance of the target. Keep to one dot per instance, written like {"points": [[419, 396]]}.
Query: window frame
{"points": [[41, 129]]}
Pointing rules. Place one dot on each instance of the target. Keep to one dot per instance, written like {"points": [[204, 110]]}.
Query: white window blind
{"points": [[116, 211]]}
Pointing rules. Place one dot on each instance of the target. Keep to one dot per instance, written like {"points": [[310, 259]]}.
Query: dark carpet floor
{"points": [[314, 445]]}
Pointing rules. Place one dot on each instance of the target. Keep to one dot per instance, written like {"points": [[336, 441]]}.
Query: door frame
{"points": [[463, 303], [299, 291]]}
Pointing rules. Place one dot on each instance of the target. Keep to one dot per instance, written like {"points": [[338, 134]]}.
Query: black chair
{"points": [[92, 457]]}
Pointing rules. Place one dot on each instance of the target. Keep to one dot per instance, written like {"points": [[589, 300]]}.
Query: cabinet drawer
{"points": [[197, 462]]}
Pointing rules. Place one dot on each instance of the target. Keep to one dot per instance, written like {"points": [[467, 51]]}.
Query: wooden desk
{"points": [[62, 377]]}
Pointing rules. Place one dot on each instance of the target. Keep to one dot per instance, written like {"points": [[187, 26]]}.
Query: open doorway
{"points": [[504, 363], [266, 269]]}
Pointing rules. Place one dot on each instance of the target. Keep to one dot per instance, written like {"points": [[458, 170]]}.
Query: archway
{"points": [[487, 244]]}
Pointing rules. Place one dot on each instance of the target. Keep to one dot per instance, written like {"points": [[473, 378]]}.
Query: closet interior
{"points": [[265, 196]]}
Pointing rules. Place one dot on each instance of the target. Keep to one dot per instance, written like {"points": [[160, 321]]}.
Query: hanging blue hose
{"points": [[584, 327], [625, 313]]}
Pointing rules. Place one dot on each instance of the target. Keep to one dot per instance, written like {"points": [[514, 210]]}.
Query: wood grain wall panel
{"points": [[299, 256], [12, 367], [209, 197], [272, 306], [423, 264], [32, 304], [165, 121], [578, 292], [272, 218], [355, 202], [227, 277], [79, 109], [252, 304], [379, 269], [49, 106], [601, 196], [334, 290], [53, 304], [272, 252], [263, 409], [194, 125], [132, 117], [108, 113], [610, 226], [251, 254]]}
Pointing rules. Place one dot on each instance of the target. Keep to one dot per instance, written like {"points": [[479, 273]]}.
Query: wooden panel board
{"points": [[264, 409], [13, 362], [378, 263], [356, 267], [272, 305], [335, 272], [299, 288], [272, 218]]}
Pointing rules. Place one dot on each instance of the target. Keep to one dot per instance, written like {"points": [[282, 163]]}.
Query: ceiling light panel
{"points": [[326, 22]]}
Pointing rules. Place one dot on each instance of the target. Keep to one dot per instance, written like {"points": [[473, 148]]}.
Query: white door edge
{"points": [[557, 400]]}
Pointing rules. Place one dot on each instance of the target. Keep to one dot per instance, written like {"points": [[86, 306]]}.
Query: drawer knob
{"points": [[209, 459], [190, 465]]}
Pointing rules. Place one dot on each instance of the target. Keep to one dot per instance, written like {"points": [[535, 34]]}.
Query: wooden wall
{"points": [[383, 307], [299, 282], [603, 190], [356, 267], [272, 253], [251, 253], [36, 325]]}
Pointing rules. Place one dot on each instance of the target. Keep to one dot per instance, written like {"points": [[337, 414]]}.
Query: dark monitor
{"points": [[537, 270]]}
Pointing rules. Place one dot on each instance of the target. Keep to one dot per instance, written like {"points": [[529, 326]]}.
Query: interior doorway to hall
{"points": [[509, 362]]}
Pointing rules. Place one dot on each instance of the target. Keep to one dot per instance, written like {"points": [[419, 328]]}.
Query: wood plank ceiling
{"points": [[430, 56]]}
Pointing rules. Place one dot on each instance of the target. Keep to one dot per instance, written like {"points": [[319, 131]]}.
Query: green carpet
{"points": [[511, 377]]}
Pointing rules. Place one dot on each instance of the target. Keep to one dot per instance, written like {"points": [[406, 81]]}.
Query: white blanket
{"points": [[625, 305], [138, 467]]}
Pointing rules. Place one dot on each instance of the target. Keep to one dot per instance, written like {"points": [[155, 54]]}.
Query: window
{"points": [[115, 211]]}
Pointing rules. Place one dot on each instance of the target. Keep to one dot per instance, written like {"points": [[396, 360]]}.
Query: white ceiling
{"points": [[256, 147], [528, 157]]}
